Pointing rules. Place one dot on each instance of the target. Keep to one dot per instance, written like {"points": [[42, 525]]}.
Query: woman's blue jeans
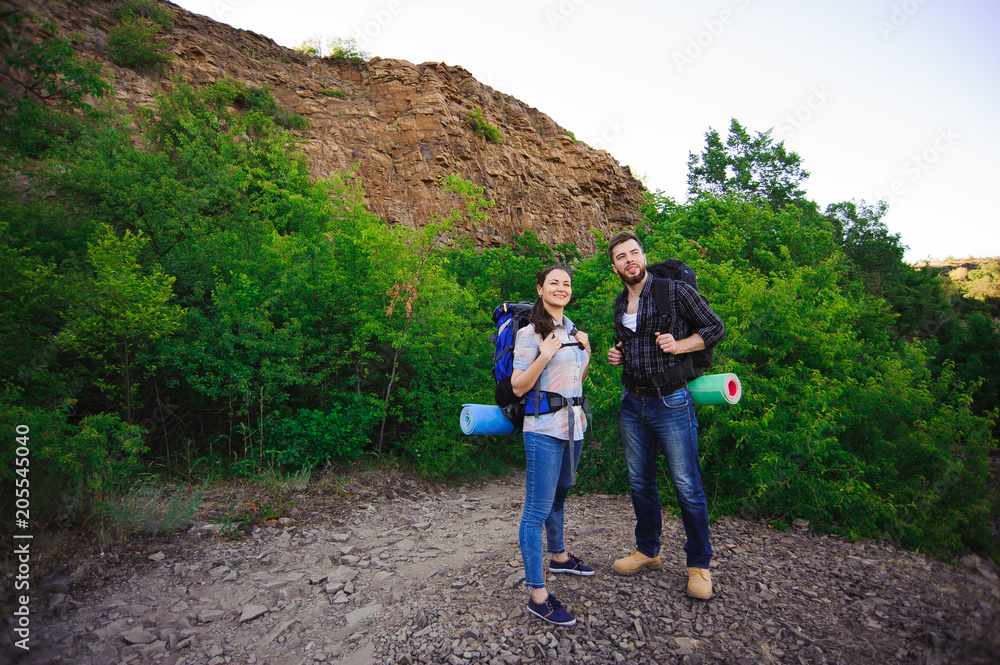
{"points": [[551, 471], [665, 424]]}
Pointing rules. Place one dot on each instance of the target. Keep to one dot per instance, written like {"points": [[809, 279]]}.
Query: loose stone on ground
{"points": [[406, 576]]}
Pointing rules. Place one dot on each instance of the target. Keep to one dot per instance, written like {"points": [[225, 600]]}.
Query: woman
{"points": [[547, 358]]}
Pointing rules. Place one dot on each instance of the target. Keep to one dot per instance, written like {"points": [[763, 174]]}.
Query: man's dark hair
{"points": [[620, 237]]}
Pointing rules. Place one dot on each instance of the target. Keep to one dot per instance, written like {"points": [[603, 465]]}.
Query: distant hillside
{"points": [[949, 265], [402, 125]]}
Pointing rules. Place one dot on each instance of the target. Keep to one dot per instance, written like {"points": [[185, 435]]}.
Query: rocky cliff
{"points": [[399, 125]]}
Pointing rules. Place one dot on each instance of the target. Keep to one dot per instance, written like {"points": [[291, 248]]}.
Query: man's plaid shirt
{"points": [[645, 364]]}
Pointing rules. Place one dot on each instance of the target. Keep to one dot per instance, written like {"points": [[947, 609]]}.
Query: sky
{"points": [[891, 100]]}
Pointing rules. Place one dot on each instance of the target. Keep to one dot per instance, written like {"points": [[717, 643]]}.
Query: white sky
{"points": [[872, 94]]}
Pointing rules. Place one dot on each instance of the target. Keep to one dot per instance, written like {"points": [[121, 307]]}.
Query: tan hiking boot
{"points": [[699, 583], [635, 562]]}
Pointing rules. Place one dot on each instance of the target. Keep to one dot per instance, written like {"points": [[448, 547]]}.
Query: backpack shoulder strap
{"points": [[663, 295]]}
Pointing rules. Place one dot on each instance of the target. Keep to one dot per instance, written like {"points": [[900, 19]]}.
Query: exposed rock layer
{"points": [[401, 126]]}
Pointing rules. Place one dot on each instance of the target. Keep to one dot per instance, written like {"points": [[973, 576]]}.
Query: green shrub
{"points": [[345, 50], [150, 10], [312, 437], [308, 50], [288, 120], [99, 460], [230, 92], [333, 92], [132, 44], [483, 128], [441, 456]]}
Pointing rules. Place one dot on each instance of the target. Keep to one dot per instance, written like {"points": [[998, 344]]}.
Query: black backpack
{"points": [[510, 317], [677, 270]]}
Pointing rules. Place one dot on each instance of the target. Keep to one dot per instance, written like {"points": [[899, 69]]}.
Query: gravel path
{"points": [[413, 574]]}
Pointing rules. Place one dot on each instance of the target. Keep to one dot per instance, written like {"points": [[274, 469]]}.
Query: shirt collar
{"points": [[647, 287]]}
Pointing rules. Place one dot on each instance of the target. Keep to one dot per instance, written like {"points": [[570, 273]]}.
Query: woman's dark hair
{"points": [[540, 318]]}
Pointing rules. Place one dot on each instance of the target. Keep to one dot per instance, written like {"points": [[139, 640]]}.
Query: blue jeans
{"points": [[650, 425], [551, 469]]}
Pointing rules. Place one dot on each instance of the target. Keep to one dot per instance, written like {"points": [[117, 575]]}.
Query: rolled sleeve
{"points": [[525, 348], [702, 319]]}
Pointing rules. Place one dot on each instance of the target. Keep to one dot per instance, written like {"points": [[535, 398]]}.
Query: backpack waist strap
{"points": [[547, 402]]}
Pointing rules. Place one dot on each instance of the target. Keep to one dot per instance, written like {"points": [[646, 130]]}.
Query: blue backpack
{"points": [[509, 317]]}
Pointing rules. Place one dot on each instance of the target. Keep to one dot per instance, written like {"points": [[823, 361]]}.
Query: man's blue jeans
{"points": [[551, 470], [651, 425]]}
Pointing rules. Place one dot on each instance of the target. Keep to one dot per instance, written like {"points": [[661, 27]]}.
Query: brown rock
{"points": [[401, 127]]}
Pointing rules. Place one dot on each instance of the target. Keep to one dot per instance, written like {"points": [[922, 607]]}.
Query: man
{"points": [[657, 413]]}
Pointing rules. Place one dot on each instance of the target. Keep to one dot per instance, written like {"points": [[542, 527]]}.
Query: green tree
{"points": [[751, 168], [983, 283], [122, 314], [750, 235], [409, 268], [875, 257], [208, 189], [334, 48], [42, 81]]}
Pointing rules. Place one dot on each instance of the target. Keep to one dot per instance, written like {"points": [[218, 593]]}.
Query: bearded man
{"points": [[657, 414]]}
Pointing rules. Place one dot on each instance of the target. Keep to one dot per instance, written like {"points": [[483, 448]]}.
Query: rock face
{"points": [[400, 126]]}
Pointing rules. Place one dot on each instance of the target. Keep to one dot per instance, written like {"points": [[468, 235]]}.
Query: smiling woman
{"points": [[551, 357]]}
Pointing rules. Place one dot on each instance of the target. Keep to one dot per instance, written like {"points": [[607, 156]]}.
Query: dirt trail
{"points": [[407, 573]]}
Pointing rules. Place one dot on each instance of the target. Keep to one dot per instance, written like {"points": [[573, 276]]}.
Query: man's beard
{"points": [[633, 279]]}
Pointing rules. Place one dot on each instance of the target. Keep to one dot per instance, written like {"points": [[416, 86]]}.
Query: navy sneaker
{"points": [[574, 567], [552, 611]]}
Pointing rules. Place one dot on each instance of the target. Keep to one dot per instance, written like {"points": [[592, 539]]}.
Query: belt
{"points": [[655, 391]]}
